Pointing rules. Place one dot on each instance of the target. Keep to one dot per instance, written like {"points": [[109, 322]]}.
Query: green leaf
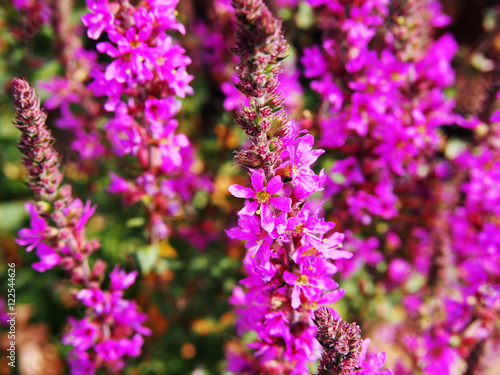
{"points": [[15, 213], [147, 257], [135, 222]]}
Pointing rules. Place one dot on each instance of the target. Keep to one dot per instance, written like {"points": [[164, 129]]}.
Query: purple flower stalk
{"points": [[142, 85], [383, 86], [112, 327], [380, 105], [69, 90], [292, 249]]}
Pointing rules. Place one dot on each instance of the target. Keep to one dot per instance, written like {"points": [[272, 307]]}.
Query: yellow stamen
{"points": [[302, 280], [263, 196]]}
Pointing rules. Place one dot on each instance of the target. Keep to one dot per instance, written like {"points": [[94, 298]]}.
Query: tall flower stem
{"points": [[290, 248], [112, 327]]}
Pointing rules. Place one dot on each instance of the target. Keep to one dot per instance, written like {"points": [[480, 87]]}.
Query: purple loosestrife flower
{"points": [[142, 83], [79, 108], [313, 275], [258, 240], [264, 198], [38, 231], [58, 233], [133, 57], [381, 110], [298, 166], [393, 104], [48, 258], [468, 299], [99, 20], [376, 104], [291, 254]]}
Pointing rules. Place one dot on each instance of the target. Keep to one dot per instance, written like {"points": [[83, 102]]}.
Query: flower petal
{"points": [[241, 192], [249, 209], [290, 278], [295, 297], [274, 185], [332, 297], [336, 254], [266, 218], [257, 181], [282, 203]]}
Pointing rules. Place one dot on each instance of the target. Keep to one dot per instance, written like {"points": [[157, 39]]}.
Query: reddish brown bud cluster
{"points": [[36, 144], [55, 203], [341, 342], [260, 46]]}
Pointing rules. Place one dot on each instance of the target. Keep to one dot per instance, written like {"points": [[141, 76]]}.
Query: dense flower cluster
{"points": [[468, 296], [79, 110], [290, 246], [112, 328], [141, 84], [382, 107], [383, 92]]}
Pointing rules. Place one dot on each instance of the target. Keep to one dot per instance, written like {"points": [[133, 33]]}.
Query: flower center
{"points": [[263, 196], [302, 280]]}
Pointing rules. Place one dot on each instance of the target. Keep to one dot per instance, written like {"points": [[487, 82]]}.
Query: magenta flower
{"points": [[94, 298], [48, 258], [263, 199], [329, 90], [161, 110], [88, 144], [359, 27], [171, 146], [84, 213], [99, 20], [314, 65], [125, 135], [170, 65], [300, 158], [120, 279], [34, 236], [83, 335], [133, 55], [166, 15], [372, 366], [81, 363], [314, 276], [106, 313], [258, 241], [311, 228], [61, 92]]}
